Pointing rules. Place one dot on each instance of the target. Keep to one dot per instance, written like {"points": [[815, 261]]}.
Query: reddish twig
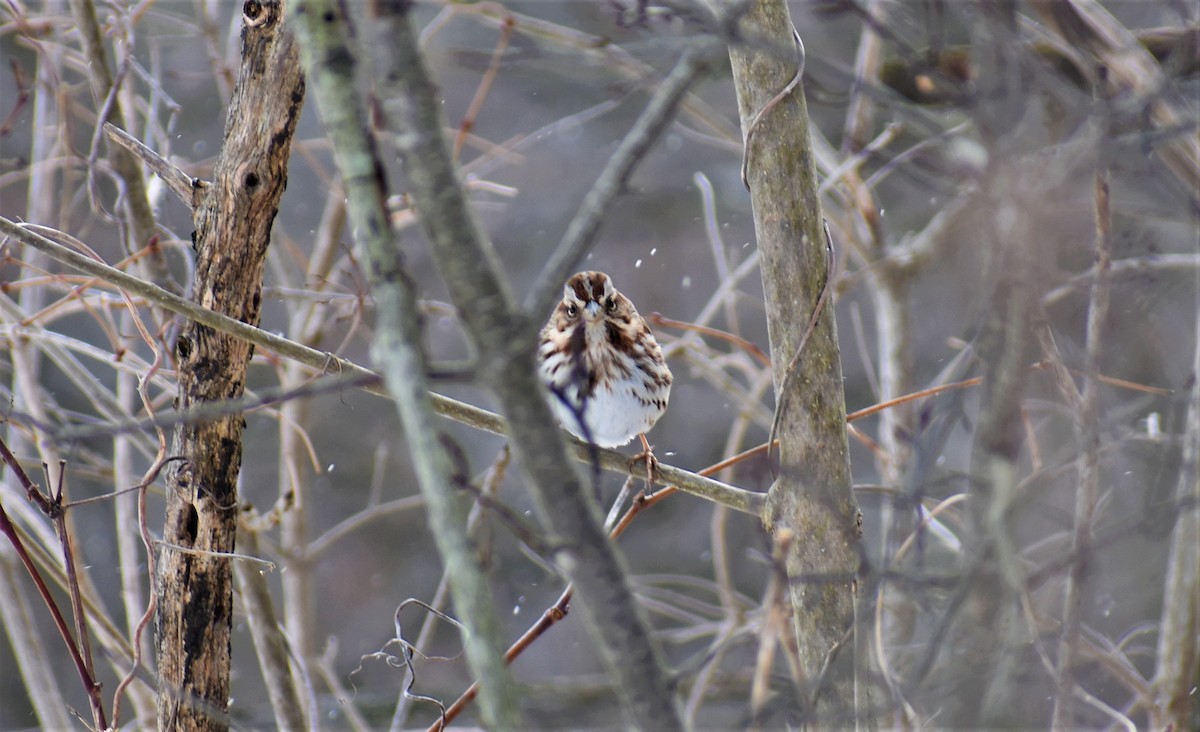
{"points": [[31, 490], [745, 345], [81, 634], [976, 381], [22, 98], [485, 85], [931, 391]]}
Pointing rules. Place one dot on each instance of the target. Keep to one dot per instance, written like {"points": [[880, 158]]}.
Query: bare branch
{"points": [[180, 183]]}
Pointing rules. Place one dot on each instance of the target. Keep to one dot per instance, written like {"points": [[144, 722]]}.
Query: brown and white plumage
{"points": [[601, 362]]}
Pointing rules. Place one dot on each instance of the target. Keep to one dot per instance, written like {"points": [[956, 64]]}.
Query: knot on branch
{"points": [[258, 13]]}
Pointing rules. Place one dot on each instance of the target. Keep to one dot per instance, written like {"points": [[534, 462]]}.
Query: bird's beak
{"points": [[592, 309]]}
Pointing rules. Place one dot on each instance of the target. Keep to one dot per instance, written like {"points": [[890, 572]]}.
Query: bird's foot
{"points": [[651, 462]]}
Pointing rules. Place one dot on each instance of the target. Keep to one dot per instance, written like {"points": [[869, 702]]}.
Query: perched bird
{"points": [[604, 368]]}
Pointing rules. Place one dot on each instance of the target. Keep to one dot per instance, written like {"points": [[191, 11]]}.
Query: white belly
{"points": [[614, 417]]}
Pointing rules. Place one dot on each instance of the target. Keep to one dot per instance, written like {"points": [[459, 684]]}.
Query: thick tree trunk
{"points": [[810, 506], [233, 218]]}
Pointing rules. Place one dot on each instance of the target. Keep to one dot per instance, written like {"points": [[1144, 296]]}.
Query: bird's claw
{"points": [[651, 462]]}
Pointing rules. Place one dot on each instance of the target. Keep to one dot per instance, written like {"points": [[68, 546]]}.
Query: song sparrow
{"points": [[602, 365]]}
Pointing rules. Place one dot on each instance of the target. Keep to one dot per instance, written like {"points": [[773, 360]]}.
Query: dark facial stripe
{"points": [[589, 286], [582, 289], [600, 284]]}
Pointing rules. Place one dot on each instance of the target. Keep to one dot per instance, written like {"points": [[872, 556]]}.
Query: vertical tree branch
{"points": [[988, 634], [305, 325], [811, 499], [233, 221], [1087, 492], [270, 644], [860, 113], [1175, 676], [1004, 347], [328, 57]]}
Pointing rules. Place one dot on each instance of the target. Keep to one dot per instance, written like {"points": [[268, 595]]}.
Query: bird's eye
{"points": [[572, 310], [611, 304]]}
